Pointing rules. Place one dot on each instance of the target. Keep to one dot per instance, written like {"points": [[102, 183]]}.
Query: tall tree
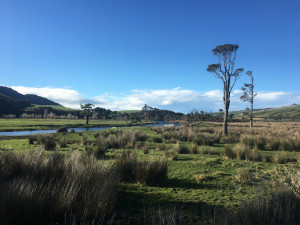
{"points": [[248, 95], [87, 111], [224, 70]]}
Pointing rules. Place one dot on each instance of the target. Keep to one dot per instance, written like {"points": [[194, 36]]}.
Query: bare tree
{"points": [[248, 95], [224, 70]]}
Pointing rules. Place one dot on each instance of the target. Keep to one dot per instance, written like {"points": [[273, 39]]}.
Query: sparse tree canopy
{"points": [[224, 70], [87, 111], [248, 95]]}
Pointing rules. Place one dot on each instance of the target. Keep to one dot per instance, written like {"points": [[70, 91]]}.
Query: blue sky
{"points": [[123, 54]]}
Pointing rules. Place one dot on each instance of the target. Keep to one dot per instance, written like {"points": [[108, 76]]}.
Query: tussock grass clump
{"points": [[260, 143], [244, 176], [229, 152], [206, 150], [152, 173], [38, 188], [171, 154], [126, 162], [280, 157], [194, 149], [274, 144], [280, 208], [157, 139], [46, 141], [62, 143], [62, 130], [247, 141]]}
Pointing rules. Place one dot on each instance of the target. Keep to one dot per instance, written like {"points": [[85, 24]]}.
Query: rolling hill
{"points": [[34, 99], [291, 112]]}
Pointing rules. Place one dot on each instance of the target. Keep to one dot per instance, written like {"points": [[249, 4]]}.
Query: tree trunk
{"points": [[226, 107], [87, 120], [251, 114]]}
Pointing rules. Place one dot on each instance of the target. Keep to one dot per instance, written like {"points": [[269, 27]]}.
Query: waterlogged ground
{"points": [[197, 183]]}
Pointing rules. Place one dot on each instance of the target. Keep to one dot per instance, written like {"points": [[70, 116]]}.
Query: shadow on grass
{"points": [[135, 207]]}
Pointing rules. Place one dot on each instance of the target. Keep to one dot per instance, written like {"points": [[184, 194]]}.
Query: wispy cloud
{"points": [[177, 99]]}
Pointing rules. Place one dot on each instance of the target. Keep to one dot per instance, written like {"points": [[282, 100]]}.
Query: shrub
{"points": [[38, 188], [62, 130], [152, 172], [229, 152]]}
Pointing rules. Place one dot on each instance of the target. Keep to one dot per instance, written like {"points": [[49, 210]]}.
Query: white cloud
{"points": [[177, 99]]}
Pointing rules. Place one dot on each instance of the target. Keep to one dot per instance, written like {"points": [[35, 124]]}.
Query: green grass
{"points": [[43, 124], [285, 112], [196, 183], [56, 107]]}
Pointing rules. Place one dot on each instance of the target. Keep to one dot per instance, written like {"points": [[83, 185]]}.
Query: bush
{"points": [[38, 188], [152, 172]]}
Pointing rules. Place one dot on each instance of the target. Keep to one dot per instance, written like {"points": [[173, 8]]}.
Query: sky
{"points": [[122, 54]]}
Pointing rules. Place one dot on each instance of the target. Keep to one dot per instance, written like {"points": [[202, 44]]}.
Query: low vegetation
{"points": [[153, 175]]}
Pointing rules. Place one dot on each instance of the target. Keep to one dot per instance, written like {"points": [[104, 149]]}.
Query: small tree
{"points": [[248, 95], [87, 111], [224, 70]]}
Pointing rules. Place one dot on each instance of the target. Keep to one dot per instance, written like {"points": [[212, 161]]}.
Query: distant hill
{"points": [[291, 112], [12, 106], [34, 99]]}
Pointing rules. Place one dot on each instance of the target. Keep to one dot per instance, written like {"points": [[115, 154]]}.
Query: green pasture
{"points": [[196, 182], [44, 124]]}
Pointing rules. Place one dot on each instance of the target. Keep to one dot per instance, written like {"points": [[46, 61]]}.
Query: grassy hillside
{"points": [[281, 113], [56, 107]]}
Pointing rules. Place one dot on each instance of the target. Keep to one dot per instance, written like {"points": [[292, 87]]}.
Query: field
{"points": [[44, 124], [188, 175]]}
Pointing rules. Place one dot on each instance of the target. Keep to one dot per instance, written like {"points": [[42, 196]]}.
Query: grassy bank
{"points": [[45, 124]]}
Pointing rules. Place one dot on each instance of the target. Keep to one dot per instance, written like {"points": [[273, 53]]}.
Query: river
{"points": [[79, 129]]}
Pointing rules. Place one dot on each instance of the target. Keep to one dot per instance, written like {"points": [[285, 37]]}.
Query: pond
{"points": [[30, 132]]}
